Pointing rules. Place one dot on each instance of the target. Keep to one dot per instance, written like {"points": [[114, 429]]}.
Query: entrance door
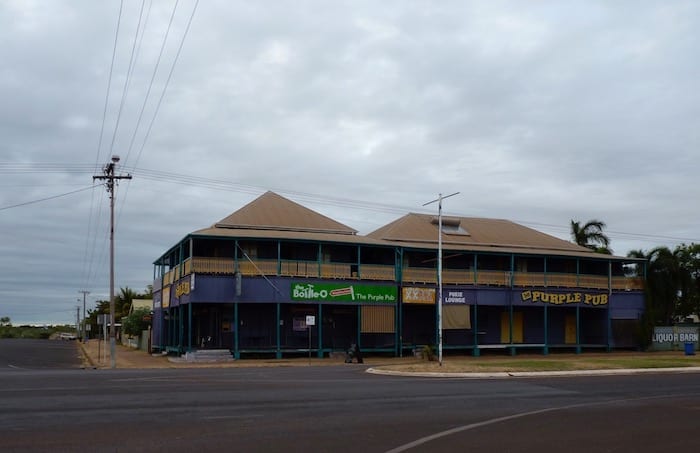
{"points": [[570, 329], [517, 327]]}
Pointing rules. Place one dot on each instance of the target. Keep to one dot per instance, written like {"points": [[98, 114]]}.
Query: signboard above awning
{"points": [[343, 292]]}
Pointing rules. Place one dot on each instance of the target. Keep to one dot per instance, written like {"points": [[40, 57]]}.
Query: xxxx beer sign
{"points": [[564, 298], [413, 295], [332, 292]]}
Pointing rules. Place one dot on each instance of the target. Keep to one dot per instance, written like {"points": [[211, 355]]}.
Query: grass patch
{"points": [[555, 362]]}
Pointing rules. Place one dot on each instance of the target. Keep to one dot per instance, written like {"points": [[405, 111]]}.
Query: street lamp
{"points": [[439, 313]]}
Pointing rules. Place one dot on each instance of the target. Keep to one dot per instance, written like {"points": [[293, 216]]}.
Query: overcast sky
{"points": [[538, 112]]}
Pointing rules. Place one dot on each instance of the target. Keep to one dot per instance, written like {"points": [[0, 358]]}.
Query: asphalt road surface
{"points": [[341, 409]]}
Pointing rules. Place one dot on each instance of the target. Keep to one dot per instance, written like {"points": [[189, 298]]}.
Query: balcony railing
{"points": [[299, 268], [628, 283], [377, 272], [312, 269], [338, 270]]}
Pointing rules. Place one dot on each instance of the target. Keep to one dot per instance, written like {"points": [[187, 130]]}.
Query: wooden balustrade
{"points": [[377, 272], [419, 275], [497, 278], [561, 280], [337, 270], [528, 279], [257, 267], [593, 281], [299, 268], [213, 265]]}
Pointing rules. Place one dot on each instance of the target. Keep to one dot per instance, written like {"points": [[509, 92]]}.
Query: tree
{"points": [[136, 322], [672, 282], [5, 321], [591, 236]]}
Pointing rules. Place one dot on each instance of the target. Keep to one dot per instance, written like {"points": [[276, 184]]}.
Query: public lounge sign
{"points": [[334, 292]]}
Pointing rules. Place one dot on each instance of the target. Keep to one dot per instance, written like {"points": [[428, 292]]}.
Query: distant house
{"points": [[140, 303], [277, 278]]}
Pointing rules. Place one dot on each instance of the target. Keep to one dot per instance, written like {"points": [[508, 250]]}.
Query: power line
{"points": [[53, 197], [167, 81], [128, 77], [109, 80], [150, 85], [230, 186]]}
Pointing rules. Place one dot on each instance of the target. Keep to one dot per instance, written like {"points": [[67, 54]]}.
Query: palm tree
{"points": [[591, 236]]}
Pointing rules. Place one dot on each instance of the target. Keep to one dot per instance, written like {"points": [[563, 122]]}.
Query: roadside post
{"points": [[310, 322]]}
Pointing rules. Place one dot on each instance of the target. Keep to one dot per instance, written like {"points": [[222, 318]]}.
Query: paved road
{"points": [[342, 409], [38, 354]]}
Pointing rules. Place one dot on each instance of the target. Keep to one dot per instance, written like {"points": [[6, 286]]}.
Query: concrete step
{"points": [[209, 355]]}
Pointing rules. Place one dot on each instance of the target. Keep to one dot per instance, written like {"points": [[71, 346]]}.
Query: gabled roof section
{"points": [[421, 230], [275, 213]]}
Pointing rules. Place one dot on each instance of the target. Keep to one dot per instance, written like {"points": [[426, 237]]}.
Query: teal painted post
{"points": [[319, 260], [398, 265], [512, 270], [397, 345], [181, 340], [510, 327], [609, 314], [235, 255], [545, 350], [578, 329], [278, 352], [319, 354], [279, 258], [476, 277], [475, 350], [173, 331], [359, 326], [236, 351], [399, 321], [359, 269], [578, 272], [189, 327], [545, 271]]}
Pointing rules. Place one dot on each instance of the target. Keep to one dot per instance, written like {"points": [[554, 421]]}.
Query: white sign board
{"points": [[310, 320]]}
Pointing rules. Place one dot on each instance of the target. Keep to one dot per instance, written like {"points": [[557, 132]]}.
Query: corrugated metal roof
{"points": [[274, 212], [478, 234], [272, 217], [250, 233]]}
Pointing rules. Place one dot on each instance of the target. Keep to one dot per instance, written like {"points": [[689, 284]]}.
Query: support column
{"points": [[510, 327], [320, 331], [545, 350], [181, 334], [475, 324], [359, 326], [236, 350], [578, 329], [189, 327], [278, 351], [609, 314], [397, 337]]}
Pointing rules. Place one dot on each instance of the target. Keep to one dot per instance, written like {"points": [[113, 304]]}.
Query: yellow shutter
{"points": [[377, 319], [456, 316]]}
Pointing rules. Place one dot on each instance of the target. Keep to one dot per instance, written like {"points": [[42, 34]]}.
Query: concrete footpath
{"points": [[95, 357], [533, 374]]}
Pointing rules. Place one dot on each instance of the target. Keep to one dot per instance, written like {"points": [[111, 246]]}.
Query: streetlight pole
{"points": [[439, 310], [110, 177]]}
